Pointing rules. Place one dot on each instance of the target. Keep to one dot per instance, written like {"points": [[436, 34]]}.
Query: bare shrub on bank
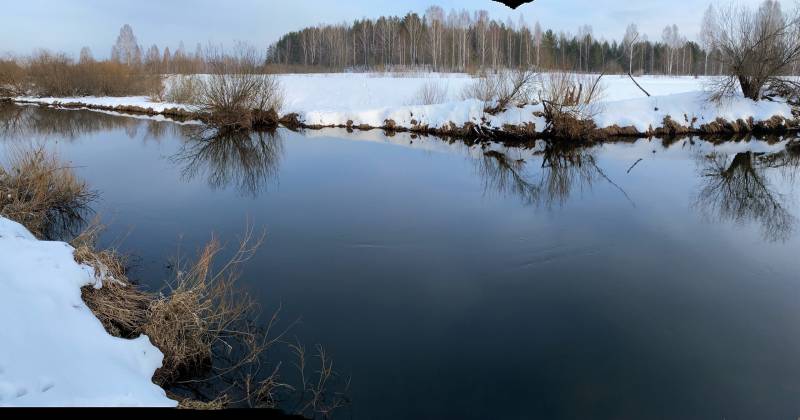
{"points": [[757, 48], [11, 78], [570, 102], [40, 193], [237, 93], [502, 89], [183, 89], [431, 93], [47, 73]]}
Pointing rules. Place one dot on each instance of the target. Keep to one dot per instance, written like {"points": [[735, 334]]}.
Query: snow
{"points": [[373, 98], [106, 101], [53, 350], [643, 113]]}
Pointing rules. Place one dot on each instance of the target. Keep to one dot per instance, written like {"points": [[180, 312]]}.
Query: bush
{"points": [[237, 93], [46, 197], [502, 89], [11, 78], [430, 93], [57, 75], [183, 89], [570, 101]]}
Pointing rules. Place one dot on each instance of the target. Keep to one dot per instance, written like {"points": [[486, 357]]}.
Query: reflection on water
{"points": [[33, 121], [739, 190], [561, 172], [246, 161], [451, 280]]}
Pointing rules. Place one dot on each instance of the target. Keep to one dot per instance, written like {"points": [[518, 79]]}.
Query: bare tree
{"points": [[757, 48], [482, 29], [629, 41], [707, 31], [86, 56], [435, 19], [126, 50], [537, 38]]}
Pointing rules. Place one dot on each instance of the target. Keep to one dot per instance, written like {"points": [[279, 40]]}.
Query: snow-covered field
{"points": [[53, 350], [371, 99]]}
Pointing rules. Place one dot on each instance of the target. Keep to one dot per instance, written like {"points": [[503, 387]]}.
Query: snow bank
{"points": [[371, 99], [53, 350], [106, 101], [644, 113]]}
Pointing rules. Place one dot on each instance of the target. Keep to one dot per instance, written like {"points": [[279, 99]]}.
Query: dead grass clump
{"points": [[42, 194], [220, 403], [202, 313], [119, 305]]}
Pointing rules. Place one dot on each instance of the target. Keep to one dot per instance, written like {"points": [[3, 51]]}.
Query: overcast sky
{"points": [[69, 25]]}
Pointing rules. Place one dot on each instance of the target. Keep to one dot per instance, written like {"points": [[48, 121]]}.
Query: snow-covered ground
{"points": [[371, 99], [53, 350]]}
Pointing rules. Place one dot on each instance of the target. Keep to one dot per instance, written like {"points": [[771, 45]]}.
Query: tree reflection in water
{"points": [[562, 170], [741, 192], [31, 121], [245, 160]]}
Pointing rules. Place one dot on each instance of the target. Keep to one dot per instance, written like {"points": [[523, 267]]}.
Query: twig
{"points": [[600, 171]]}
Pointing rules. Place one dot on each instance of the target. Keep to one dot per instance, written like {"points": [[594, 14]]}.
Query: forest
{"points": [[463, 41]]}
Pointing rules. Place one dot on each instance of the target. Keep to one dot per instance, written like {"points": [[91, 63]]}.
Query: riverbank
{"points": [[678, 106], [55, 351]]}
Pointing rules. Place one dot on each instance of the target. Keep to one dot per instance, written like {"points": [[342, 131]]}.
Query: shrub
{"points": [[11, 78], [570, 101], [502, 89], [56, 74], [237, 93], [431, 93], [183, 89]]}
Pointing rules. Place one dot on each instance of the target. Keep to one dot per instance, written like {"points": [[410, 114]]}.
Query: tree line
{"points": [[464, 41]]}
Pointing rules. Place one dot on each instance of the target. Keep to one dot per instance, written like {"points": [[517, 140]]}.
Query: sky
{"points": [[69, 25]]}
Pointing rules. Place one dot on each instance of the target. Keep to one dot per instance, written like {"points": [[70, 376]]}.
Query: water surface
{"points": [[643, 279]]}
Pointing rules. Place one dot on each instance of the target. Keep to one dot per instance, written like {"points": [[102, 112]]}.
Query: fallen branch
{"points": [[637, 84]]}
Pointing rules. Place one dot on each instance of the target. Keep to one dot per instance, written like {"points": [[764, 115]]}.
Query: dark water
{"points": [[454, 283]]}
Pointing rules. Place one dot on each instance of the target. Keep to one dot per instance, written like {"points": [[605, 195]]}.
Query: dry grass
{"points": [[219, 403], [203, 314], [119, 305], [46, 197]]}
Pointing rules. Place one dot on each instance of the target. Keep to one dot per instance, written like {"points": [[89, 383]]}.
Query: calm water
{"points": [[455, 281]]}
